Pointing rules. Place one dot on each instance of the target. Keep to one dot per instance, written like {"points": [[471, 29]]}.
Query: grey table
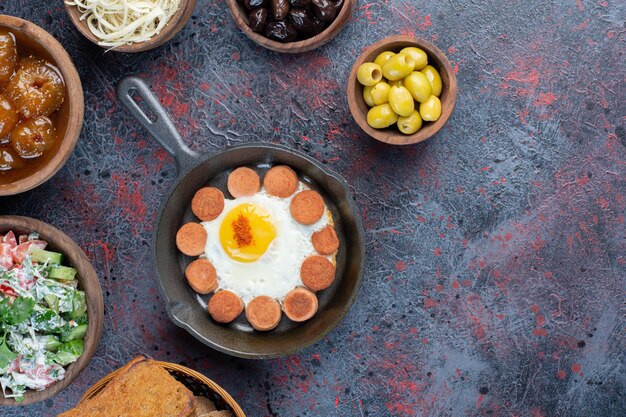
{"points": [[496, 262]]}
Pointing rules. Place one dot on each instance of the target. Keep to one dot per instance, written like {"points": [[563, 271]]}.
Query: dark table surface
{"points": [[495, 276]]}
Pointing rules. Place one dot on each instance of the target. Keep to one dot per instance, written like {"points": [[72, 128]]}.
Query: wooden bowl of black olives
{"points": [[291, 26]]}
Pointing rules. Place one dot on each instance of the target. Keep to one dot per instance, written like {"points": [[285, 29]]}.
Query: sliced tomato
{"points": [[6, 290], [21, 250], [6, 258], [9, 239], [25, 279], [15, 365], [40, 375]]}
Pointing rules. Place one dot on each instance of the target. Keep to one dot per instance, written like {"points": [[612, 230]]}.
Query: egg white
{"points": [[277, 271]]}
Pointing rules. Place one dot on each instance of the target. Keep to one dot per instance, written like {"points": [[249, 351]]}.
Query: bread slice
{"points": [[204, 405], [222, 413], [140, 389], [76, 412]]}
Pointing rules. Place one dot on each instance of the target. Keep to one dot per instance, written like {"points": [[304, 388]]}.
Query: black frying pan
{"points": [[188, 309]]}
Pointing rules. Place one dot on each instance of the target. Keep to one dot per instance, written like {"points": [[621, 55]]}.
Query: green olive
{"points": [[369, 74], [367, 95], [419, 56], [383, 57], [410, 124], [435, 79], [396, 83], [398, 66], [382, 116], [419, 86], [430, 110], [380, 93], [401, 101]]}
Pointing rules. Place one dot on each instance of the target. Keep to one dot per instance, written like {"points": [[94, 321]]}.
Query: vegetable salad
{"points": [[43, 316]]}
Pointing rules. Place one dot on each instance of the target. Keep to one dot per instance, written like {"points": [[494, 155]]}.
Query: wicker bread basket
{"points": [[199, 384]]}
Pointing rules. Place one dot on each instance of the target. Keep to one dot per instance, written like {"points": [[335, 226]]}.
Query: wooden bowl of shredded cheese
{"points": [[129, 25]]}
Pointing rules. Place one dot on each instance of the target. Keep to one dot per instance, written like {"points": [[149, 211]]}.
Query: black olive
{"points": [[318, 25], [258, 19], [324, 10], [280, 8], [301, 20], [337, 5], [253, 4], [281, 31], [299, 3]]}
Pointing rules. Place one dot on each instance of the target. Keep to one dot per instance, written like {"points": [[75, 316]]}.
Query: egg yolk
{"points": [[246, 232]]}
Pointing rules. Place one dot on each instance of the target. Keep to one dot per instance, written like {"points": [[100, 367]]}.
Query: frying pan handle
{"points": [[161, 128]]}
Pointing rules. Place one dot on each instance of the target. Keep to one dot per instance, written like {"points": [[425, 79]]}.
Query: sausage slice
{"points": [[225, 306], [191, 239], [208, 203], [263, 313], [317, 272], [243, 182], [300, 304], [307, 207], [325, 241], [281, 181], [201, 276]]}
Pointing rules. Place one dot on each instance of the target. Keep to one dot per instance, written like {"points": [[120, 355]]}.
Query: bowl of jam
{"points": [[41, 105]]}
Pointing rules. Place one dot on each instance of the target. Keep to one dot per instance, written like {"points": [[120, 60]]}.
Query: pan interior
{"points": [[189, 310]]}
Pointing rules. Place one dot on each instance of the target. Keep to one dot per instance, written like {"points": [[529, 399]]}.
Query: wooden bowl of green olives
{"points": [[291, 26], [402, 90]]}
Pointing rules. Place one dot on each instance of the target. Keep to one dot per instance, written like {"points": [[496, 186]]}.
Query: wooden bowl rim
{"points": [[75, 97], [168, 366], [88, 280], [398, 138], [299, 46], [175, 25]]}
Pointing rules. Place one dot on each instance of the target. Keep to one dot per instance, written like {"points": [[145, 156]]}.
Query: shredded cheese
{"points": [[122, 22]]}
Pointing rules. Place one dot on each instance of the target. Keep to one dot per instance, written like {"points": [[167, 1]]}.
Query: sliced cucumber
{"points": [[69, 352], [42, 256], [79, 305], [63, 273], [82, 319], [77, 332], [52, 343], [52, 301]]}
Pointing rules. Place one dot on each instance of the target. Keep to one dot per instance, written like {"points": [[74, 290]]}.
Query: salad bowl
{"points": [[87, 282]]}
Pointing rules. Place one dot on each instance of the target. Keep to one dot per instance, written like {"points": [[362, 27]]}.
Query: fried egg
{"points": [[256, 246]]}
